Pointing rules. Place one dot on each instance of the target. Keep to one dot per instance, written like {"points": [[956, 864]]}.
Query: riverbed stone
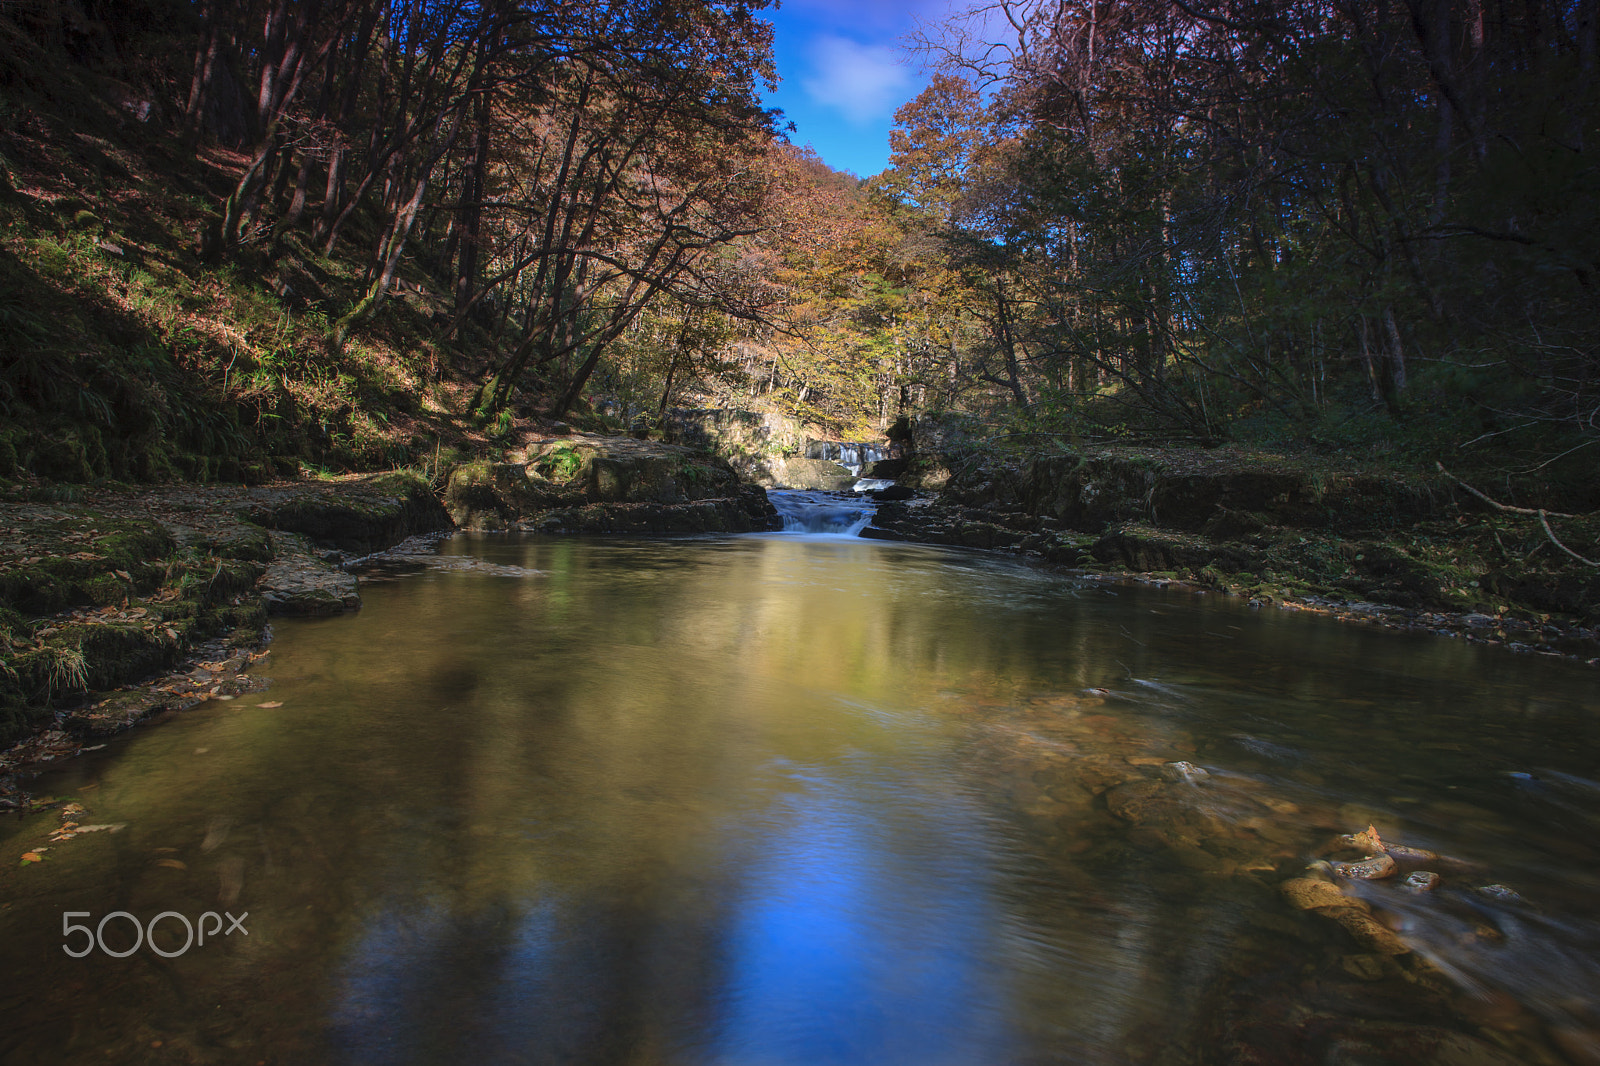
{"points": [[1376, 868], [1364, 929], [1308, 893], [1185, 772]]}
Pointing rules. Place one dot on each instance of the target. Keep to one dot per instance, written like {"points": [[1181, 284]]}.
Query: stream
{"points": [[803, 798]]}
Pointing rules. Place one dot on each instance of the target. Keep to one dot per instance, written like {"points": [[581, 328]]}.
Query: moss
{"points": [[34, 590], [106, 589]]}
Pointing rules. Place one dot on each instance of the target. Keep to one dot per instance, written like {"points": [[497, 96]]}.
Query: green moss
{"points": [[106, 589]]}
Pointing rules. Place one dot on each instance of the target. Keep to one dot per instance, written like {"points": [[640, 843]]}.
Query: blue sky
{"points": [[845, 69]]}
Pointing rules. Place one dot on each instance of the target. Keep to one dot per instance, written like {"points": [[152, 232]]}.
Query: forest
{"points": [[241, 235]]}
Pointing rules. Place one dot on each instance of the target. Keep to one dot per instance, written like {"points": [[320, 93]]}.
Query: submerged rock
{"points": [[1309, 893], [1186, 772], [1365, 930], [1421, 881], [1499, 892]]}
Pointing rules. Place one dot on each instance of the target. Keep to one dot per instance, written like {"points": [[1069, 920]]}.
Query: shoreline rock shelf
{"points": [[102, 591]]}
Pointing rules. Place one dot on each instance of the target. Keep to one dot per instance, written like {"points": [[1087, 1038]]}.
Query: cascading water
{"points": [[822, 513], [854, 457]]}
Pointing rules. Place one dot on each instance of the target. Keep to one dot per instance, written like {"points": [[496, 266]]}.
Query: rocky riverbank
{"points": [[119, 604], [1405, 551], [103, 589]]}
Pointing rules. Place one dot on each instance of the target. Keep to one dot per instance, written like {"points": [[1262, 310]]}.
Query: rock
{"points": [[747, 439], [1500, 893], [815, 474], [358, 515], [1367, 841], [1401, 853], [1186, 772], [1365, 930], [885, 468], [1365, 967], [1309, 893], [1373, 869], [583, 483], [298, 582], [1421, 881], [893, 493]]}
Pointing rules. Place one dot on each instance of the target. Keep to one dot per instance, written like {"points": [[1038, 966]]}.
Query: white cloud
{"points": [[862, 82]]}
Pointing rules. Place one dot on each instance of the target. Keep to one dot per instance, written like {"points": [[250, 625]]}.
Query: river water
{"points": [[786, 799]]}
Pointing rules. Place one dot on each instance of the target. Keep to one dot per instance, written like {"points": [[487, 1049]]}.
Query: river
{"points": [[787, 799]]}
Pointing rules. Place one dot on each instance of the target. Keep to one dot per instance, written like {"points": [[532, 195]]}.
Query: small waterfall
{"points": [[822, 513], [854, 457]]}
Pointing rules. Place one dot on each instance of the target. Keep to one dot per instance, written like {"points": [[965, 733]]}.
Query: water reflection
{"points": [[789, 800]]}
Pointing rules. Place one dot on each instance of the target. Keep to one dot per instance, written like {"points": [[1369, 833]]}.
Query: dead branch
{"points": [[1551, 534], [1544, 516], [1506, 507]]}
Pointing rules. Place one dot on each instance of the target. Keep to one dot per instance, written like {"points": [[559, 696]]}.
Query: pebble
{"points": [[1422, 881], [1499, 892]]}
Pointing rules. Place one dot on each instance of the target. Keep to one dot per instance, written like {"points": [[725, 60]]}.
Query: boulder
{"points": [[823, 475], [583, 483]]}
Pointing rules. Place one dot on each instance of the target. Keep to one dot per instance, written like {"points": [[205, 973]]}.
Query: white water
{"points": [[872, 484], [853, 457], [822, 513]]}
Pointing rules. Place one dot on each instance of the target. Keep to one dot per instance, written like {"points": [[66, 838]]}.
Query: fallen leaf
{"points": [[176, 864], [123, 574], [271, 703], [111, 827], [31, 856]]}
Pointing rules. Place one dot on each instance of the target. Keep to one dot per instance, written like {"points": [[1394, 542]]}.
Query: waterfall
{"points": [[822, 513], [854, 457]]}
